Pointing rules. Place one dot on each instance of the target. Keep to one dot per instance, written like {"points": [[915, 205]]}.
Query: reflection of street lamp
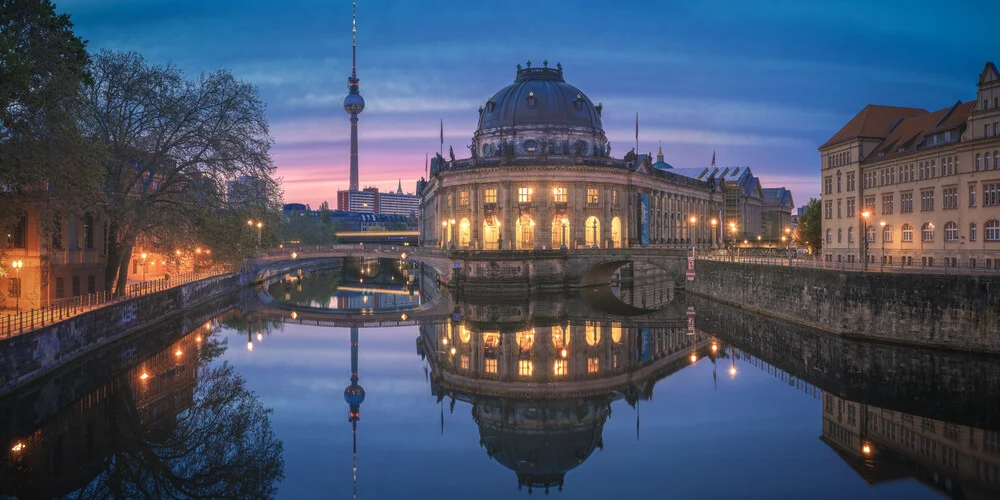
{"points": [[565, 225], [17, 265]]}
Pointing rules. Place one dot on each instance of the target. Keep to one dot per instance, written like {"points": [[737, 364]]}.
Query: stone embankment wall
{"points": [[27, 356], [953, 311]]}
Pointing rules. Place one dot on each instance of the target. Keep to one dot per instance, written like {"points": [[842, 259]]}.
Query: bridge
{"points": [[491, 270]]}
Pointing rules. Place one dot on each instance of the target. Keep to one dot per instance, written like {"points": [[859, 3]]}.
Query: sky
{"points": [[761, 84]]}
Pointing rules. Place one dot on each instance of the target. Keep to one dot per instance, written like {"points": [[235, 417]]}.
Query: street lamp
{"points": [[693, 220], [143, 256], [864, 236], [594, 245], [565, 225], [444, 229], [17, 265], [715, 222], [451, 226], [260, 227], [732, 231], [881, 266]]}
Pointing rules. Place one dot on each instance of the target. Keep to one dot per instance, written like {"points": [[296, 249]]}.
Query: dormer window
{"points": [[531, 100], [490, 105], [578, 102]]}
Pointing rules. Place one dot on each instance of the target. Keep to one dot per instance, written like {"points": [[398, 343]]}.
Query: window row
{"points": [[991, 232], [951, 200], [527, 195], [838, 159], [988, 161]]}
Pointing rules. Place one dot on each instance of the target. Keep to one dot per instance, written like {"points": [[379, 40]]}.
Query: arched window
{"points": [[829, 236], [593, 232], [560, 337], [491, 233], [850, 235], [524, 233], [871, 233], [840, 235], [992, 230], [464, 233], [979, 162], [950, 231], [616, 232], [972, 231], [986, 164], [887, 233], [907, 232], [560, 232], [593, 332], [927, 232], [996, 160]]}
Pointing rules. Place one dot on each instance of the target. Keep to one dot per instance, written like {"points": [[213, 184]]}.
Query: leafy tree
{"points": [[173, 146], [324, 212], [810, 232], [45, 160]]}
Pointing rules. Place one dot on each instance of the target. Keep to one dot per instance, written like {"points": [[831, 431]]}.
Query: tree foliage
{"points": [[810, 232], [174, 145], [45, 160]]}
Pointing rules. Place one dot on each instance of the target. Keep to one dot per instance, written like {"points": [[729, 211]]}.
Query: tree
{"points": [[810, 232], [45, 161], [173, 147], [324, 212]]}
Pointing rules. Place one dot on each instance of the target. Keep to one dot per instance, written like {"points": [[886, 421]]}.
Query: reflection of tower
{"points": [[354, 395], [354, 104]]}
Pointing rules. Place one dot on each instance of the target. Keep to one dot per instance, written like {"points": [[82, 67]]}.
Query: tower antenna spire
{"points": [[354, 42], [354, 103]]}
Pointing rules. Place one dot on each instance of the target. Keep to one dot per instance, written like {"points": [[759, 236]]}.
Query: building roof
{"points": [[874, 121], [910, 133], [778, 196]]}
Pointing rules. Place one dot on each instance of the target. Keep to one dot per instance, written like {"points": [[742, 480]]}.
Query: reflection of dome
{"points": [[540, 114], [354, 395], [541, 440]]}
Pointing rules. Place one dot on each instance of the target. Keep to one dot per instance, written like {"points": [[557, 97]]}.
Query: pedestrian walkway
{"points": [[20, 322]]}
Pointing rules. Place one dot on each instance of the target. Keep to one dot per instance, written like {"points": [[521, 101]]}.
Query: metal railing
{"points": [[28, 320], [817, 262]]}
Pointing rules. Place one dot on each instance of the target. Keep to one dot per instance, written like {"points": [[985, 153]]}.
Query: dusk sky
{"points": [[762, 84]]}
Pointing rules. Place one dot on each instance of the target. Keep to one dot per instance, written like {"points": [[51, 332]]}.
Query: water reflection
{"points": [[357, 284], [540, 381], [172, 425]]}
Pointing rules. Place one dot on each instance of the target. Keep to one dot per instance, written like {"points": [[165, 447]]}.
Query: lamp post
{"points": [[451, 226], [715, 241], [732, 231], [864, 236], [694, 229], [595, 235], [565, 225], [444, 230], [144, 256], [881, 266], [260, 226], [17, 265]]}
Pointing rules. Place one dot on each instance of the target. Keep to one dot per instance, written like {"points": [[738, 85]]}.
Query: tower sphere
{"points": [[354, 104], [354, 394]]}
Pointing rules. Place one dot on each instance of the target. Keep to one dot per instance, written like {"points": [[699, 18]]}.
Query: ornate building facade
{"points": [[541, 176], [928, 180]]}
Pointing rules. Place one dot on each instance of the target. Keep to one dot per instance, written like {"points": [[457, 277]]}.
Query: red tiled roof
{"points": [[874, 121], [909, 134]]}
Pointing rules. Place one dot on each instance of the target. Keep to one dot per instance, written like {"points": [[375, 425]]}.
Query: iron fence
{"points": [[815, 262]]}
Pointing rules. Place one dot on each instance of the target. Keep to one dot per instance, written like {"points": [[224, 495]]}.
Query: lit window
{"points": [[524, 367], [524, 195], [463, 198], [464, 361], [559, 367], [559, 195], [887, 234], [491, 365], [592, 197], [593, 333], [927, 232], [593, 365], [490, 195], [616, 332]]}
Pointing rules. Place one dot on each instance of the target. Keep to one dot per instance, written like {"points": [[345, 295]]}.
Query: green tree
{"points": [[174, 146], [45, 160], [324, 212], [810, 232]]}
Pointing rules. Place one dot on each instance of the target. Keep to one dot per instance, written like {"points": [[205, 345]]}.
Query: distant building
{"points": [[776, 215], [929, 180], [358, 201], [372, 201]]}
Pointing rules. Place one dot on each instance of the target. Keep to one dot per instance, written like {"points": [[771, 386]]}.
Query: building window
{"points": [[88, 231], [91, 284], [986, 163], [18, 237], [850, 207], [14, 287], [828, 185], [463, 198], [838, 182], [593, 365], [972, 231], [490, 195], [559, 368], [950, 196], [57, 234], [871, 233], [524, 367], [76, 286], [850, 181], [829, 236], [592, 196], [991, 195], [887, 234], [524, 195], [840, 235], [907, 232], [886, 204], [490, 365], [60, 288], [972, 196], [559, 195], [838, 208], [927, 232], [950, 231], [829, 209], [992, 230], [996, 157], [979, 162], [927, 200], [850, 235]]}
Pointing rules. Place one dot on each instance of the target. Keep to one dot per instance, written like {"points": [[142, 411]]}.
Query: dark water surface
{"points": [[487, 398]]}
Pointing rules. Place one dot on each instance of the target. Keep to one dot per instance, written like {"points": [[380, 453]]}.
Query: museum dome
{"points": [[540, 114]]}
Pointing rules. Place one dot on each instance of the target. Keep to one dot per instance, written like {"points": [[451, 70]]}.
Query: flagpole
{"points": [[442, 138], [637, 134]]}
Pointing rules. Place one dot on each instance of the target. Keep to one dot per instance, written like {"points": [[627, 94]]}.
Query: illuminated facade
{"points": [[541, 176], [928, 180]]}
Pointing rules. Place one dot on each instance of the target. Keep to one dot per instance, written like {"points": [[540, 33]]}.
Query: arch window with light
{"points": [[950, 231], [887, 233], [593, 333], [907, 232], [524, 232], [616, 232], [927, 232], [593, 231], [992, 230], [560, 231], [464, 233]]}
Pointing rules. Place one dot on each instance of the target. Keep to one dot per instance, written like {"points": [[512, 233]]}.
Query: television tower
{"points": [[354, 104]]}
